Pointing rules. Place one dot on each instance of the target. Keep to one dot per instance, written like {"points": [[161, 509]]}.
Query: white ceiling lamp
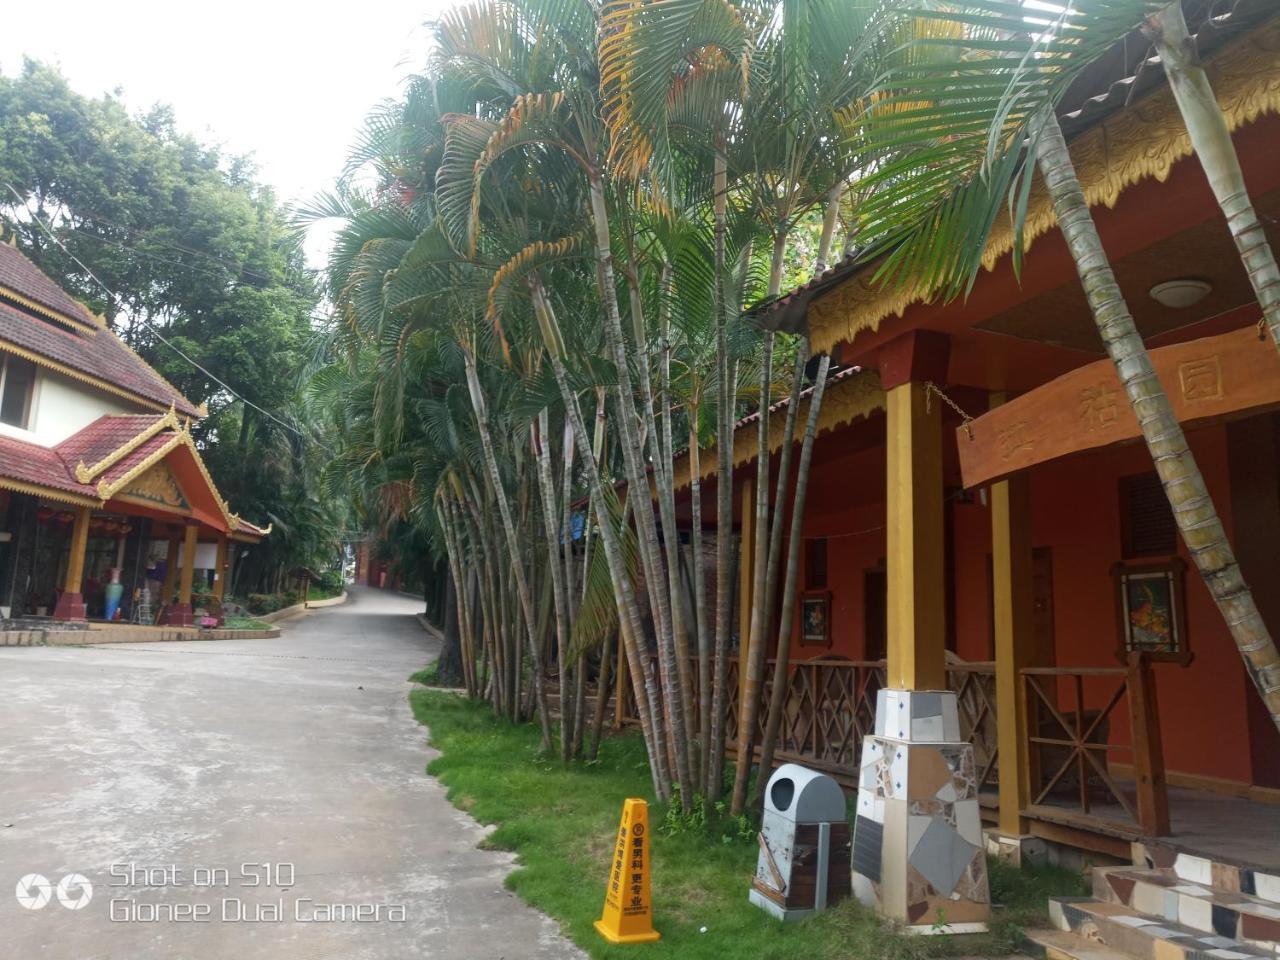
{"points": [[1180, 294]]}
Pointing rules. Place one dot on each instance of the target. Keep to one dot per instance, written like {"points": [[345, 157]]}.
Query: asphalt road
{"points": [[170, 774]]}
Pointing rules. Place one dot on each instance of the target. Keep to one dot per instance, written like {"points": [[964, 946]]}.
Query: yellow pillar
{"points": [[188, 563], [746, 577], [916, 609], [1013, 607], [79, 544], [170, 570], [221, 572]]}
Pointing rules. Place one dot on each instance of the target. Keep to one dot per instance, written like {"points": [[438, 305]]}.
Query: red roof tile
{"points": [[103, 437], [134, 457], [100, 355], [31, 463], [22, 276]]}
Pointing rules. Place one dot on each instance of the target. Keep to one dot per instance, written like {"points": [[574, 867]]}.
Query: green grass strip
{"points": [[561, 821]]}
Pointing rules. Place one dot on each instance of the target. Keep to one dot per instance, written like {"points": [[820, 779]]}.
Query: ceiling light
{"points": [[1180, 293]]}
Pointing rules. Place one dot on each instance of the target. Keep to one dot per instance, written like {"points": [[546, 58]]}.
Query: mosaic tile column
{"points": [[917, 842]]}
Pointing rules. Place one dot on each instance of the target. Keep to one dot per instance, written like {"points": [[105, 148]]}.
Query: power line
{"points": [[158, 335]]}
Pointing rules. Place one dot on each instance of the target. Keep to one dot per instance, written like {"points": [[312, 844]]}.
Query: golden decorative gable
{"points": [[159, 487]]}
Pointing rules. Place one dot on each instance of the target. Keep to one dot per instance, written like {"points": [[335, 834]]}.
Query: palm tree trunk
{"points": [[602, 702], [542, 444], [647, 703], [513, 548], [724, 486], [768, 543], [782, 661], [1196, 516], [637, 483], [660, 464], [667, 504], [699, 603], [1212, 142]]}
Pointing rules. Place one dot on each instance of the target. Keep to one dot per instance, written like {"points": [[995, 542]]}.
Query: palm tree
{"points": [[956, 134]]}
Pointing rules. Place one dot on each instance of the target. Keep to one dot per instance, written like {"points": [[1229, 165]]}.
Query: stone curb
{"points": [[286, 613]]}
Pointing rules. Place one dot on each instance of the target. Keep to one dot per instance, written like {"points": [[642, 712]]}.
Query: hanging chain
{"points": [[931, 388]]}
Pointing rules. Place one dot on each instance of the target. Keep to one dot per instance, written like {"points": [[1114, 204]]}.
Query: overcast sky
{"points": [[288, 82]]}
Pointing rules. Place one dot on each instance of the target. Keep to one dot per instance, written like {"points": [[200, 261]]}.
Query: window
{"points": [[17, 381], [1147, 527], [815, 563]]}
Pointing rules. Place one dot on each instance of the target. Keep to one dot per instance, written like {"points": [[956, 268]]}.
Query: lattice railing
{"points": [[1082, 723]]}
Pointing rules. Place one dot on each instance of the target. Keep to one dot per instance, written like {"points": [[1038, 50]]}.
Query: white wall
{"points": [[206, 553], [61, 406]]}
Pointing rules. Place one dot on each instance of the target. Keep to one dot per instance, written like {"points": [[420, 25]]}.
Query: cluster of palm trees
{"points": [[546, 248]]}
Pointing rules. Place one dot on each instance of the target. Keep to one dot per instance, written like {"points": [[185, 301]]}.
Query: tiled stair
{"points": [[1193, 909]]}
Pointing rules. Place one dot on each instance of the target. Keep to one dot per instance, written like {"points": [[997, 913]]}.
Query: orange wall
{"points": [[1076, 513], [1076, 507]]}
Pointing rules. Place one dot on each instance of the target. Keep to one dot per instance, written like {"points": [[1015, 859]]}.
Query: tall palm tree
{"points": [[958, 133]]}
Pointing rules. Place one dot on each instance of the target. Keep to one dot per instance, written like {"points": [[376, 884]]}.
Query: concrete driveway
{"points": [[170, 774]]}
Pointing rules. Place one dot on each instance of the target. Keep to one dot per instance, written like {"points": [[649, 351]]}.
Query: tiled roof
{"points": [[104, 436], [97, 354], [1111, 83], [133, 458], [101, 356], [22, 276], [52, 472], [32, 464]]}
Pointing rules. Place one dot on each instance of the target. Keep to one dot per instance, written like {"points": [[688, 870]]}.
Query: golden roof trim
{"points": [[86, 474], [49, 493], [842, 402], [40, 360], [108, 490], [50, 313], [1136, 144]]}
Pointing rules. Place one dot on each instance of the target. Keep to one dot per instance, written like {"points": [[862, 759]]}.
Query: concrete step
{"points": [[1260, 879], [1065, 945], [1141, 937], [1162, 894]]}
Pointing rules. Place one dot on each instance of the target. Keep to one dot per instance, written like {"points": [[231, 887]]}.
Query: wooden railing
{"points": [[1077, 731], [830, 706], [974, 685]]}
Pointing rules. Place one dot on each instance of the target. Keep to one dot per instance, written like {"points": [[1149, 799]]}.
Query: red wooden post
{"points": [[1148, 754]]}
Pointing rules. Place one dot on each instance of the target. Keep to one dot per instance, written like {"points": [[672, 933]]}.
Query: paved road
{"points": [[300, 750]]}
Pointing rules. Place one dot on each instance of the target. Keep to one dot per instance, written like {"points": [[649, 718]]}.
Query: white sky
{"points": [[287, 82]]}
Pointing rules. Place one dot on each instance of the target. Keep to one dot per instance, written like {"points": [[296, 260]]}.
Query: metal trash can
{"points": [[804, 862]]}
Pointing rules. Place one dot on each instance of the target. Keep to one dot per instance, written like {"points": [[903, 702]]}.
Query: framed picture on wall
{"points": [[1151, 610], [815, 618]]}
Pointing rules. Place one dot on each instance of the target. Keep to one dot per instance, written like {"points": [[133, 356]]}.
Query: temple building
{"points": [[106, 509]]}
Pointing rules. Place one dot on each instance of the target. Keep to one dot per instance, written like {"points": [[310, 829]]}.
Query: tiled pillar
{"points": [[918, 853], [71, 603]]}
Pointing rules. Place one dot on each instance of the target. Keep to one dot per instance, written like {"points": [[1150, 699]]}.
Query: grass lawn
{"points": [[244, 623], [561, 821]]}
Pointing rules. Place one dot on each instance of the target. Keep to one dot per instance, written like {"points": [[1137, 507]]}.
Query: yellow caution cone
{"points": [[628, 908]]}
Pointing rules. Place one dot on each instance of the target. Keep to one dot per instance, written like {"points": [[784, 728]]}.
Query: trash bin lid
{"points": [[804, 795]]}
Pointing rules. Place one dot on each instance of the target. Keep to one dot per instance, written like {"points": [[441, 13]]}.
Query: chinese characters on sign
{"points": [[628, 909]]}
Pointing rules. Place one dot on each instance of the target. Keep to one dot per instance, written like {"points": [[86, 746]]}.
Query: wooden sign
{"points": [[1212, 379], [628, 907]]}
